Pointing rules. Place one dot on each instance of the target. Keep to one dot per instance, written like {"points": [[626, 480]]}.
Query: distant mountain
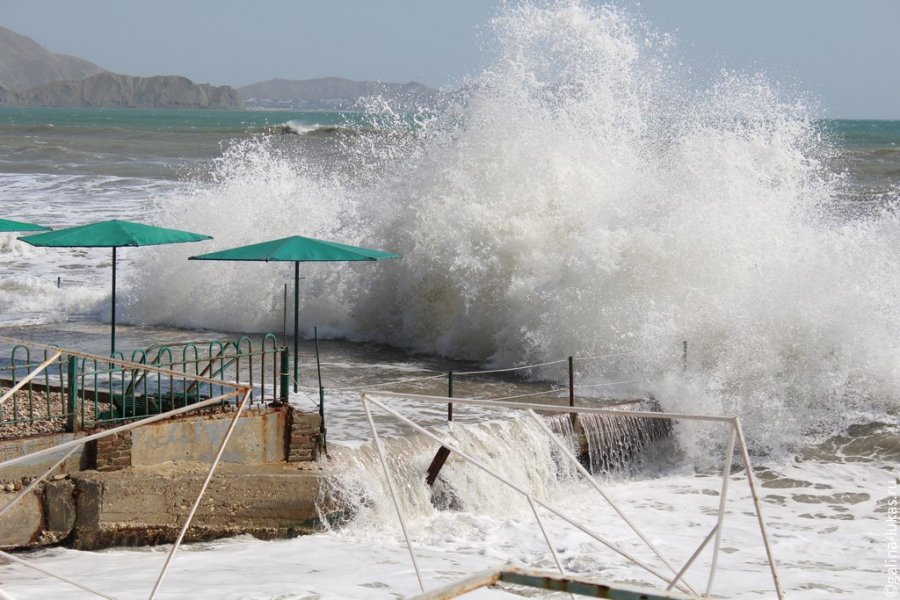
{"points": [[333, 93], [31, 75], [25, 64], [109, 90]]}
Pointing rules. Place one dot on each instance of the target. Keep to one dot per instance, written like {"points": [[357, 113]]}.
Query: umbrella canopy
{"points": [[297, 249], [112, 234], [10, 225]]}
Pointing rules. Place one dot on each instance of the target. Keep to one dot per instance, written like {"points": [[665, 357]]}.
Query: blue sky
{"points": [[843, 52]]}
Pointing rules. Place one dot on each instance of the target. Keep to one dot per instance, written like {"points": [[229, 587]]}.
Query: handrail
{"points": [[735, 435]]}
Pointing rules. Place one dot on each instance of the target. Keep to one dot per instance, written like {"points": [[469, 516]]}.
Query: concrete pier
{"points": [[136, 488]]}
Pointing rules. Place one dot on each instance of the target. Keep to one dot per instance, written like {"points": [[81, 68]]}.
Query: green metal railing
{"points": [[85, 390]]}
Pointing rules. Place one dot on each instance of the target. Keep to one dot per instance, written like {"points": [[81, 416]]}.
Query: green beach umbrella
{"points": [[7, 225], [297, 249], [112, 234]]}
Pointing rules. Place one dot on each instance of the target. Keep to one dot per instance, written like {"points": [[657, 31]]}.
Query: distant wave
{"points": [[294, 127]]}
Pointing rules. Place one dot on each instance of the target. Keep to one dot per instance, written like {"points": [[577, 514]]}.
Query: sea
{"points": [[707, 237]]}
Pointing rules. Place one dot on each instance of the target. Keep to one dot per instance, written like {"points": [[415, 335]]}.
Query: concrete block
{"points": [[36, 467], [257, 439], [22, 525], [59, 507]]}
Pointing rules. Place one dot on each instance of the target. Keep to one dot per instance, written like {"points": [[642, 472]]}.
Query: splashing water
{"points": [[581, 193]]}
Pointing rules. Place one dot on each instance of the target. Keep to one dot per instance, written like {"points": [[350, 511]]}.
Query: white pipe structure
{"points": [[390, 482], [30, 376], [25, 563], [508, 483], [735, 434], [126, 427], [34, 482], [240, 390], [726, 473], [212, 469], [590, 478]]}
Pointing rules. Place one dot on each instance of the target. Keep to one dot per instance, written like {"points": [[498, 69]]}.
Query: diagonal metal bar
{"points": [[212, 469], [723, 496], [693, 557], [590, 478], [126, 427], [540, 523], [550, 407], [387, 474], [25, 563], [34, 482], [37, 371], [758, 508], [513, 486]]}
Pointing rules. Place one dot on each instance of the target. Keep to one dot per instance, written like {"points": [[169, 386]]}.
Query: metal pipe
{"points": [[540, 523], [112, 335], [611, 545], [758, 508], [590, 479], [71, 393], [296, 325], [285, 373], [30, 376], [450, 395], [693, 557], [34, 482], [571, 382], [212, 469], [323, 431], [550, 407], [25, 563], [726, 473], [387, 475]]}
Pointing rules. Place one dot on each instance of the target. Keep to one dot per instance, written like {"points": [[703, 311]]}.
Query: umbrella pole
{"points": [[296, 323], [112, 336]]}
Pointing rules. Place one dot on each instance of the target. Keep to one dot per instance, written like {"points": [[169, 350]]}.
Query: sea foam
{"points": [[582, 194]]}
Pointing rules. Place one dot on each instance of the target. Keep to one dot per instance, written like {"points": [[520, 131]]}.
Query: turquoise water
{"points": [[166, 144], [161, 120]]}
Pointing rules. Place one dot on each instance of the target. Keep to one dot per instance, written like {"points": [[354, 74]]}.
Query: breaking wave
{"points": [[582, 193]]}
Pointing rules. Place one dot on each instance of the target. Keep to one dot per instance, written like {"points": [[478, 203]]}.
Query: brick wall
{"points": [[302, 439], [114, 452]]}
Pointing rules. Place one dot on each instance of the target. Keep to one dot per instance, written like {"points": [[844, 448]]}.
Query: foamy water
{"points": [[827, 522], [584, 195]]}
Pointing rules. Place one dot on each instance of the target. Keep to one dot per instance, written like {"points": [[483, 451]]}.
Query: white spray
{"points": [[581, 195]]}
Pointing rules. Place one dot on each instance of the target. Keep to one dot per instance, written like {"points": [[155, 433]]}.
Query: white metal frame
{"points": [[735, 434], [241, 393]]}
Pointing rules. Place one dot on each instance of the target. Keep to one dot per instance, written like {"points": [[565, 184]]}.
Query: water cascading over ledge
{"points": [[516, 447]]}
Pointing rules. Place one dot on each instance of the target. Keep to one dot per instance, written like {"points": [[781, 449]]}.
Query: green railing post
{"points": [[571, 382], [322, 429], [71, 394], [450, 395], [284, 375]]}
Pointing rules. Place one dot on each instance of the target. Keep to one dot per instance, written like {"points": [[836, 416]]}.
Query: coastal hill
{"points": [[31, 75], [110, 90], [333, 93], [25, 64]]}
